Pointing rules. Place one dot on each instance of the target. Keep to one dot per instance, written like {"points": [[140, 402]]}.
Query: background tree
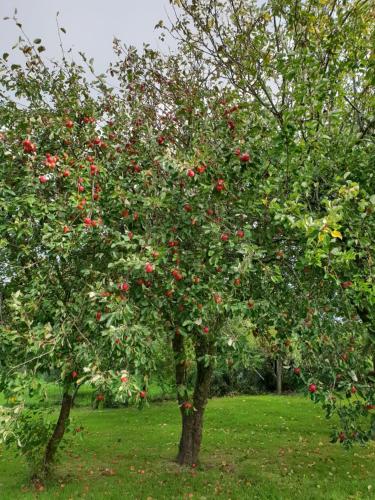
{"points": [[307, 68]]}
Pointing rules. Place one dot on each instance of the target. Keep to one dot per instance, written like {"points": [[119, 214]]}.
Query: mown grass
{"points": [[255, 447]]}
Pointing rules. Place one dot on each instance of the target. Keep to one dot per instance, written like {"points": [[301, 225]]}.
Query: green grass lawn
{"points": [[264, 447]]}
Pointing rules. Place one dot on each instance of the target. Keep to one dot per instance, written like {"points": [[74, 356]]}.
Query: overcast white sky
{"points": [[90, 24]]}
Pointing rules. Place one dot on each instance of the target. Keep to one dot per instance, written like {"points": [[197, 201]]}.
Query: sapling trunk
{"points": [[59, 431]]}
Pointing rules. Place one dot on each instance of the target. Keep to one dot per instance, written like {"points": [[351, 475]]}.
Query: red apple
{"points": [[142, 394], [51, 161], [297, 371], [177, 275], [149, 268], [124, 287], [94, 169], [312, 388], [244, 157], [190, 173], [69, 124], [201, 168], [346, 284], [217, 298], [43, 179], [28, 146], [220, 185]]}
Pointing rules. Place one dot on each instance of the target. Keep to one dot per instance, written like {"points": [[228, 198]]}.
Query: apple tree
{"points": [[307, 68], [201, 173], [58, 178]]}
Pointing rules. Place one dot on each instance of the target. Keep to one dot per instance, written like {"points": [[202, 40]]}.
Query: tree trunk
{"points": [[192, 419], [192, 423], [185, 448], [279, 376], [58, 432]]}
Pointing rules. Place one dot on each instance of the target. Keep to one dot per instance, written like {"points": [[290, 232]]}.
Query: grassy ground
{"points": [[255, 447]]}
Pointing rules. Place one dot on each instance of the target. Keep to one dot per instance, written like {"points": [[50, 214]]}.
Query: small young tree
{"points": [[57, 181]]}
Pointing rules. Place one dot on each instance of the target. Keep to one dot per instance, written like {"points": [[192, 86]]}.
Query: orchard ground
{"points": [[254, 447]]}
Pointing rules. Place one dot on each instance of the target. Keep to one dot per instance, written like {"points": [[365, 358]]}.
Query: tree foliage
{"points": [[149, 206]]}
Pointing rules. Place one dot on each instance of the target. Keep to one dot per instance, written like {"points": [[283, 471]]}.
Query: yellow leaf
{"points": [[336, 234]]}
